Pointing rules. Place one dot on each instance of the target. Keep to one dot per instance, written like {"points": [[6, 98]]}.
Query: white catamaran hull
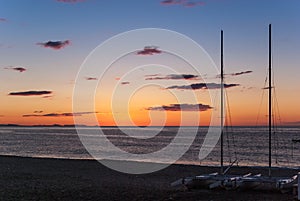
{"points": [[234, 182]]}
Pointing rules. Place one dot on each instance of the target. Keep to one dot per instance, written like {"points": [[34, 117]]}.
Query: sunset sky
{"points": [[44, 43]]}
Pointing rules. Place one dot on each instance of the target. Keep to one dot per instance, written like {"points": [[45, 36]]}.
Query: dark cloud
{"points": [[184, 3], [241, 73], [173, 77], [20, 69], [237, 74], [49, 115], [29, 93], [149, 50], [267, 88], [65, 114], [55, 44], [91, 78], [202, 86], [3, 19], [1, 115], [124, 83], [38, 111], [181, 107]]}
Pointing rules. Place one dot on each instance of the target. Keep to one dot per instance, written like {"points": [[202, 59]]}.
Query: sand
{"points": [[63, 179]]}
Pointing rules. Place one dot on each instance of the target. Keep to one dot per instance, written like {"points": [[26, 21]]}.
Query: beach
{"points": [[24, 178]]}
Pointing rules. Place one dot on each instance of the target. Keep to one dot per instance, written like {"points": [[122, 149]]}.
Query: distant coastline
{"points": [[41, 125], [95, 126]]}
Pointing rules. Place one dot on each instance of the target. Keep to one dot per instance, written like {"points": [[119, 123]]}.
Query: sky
{"points": [[43, 45]]}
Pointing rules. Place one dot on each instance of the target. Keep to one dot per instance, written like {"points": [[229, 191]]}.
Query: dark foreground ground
{"points": [[58, 179]]}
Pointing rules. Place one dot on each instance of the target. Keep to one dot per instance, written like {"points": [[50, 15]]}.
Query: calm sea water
{"points": [[247, 145]]}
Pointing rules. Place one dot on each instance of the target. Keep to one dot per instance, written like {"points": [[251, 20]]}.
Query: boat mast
{"points": [[270, 100], [222, 102]]}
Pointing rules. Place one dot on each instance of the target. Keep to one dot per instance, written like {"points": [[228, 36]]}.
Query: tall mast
{"points": [[270, 100], [222, 102]]}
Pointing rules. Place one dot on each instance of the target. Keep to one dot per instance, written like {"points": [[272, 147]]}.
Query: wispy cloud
{"points": [[20, 69], [237, 74], [149, 50], [153, 75], [181, 107], [202, 86], [172, 77], [91, 78], [267, 87], [56, 45], [30, 93], [185, 3], [125, 83], [47, 96], [65, 114], [242, 73], [171, 2], [3, 19], [193, 4]]}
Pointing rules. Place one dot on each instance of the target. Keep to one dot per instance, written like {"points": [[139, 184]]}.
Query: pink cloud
{"points": [[181, 107], [149, 50]]}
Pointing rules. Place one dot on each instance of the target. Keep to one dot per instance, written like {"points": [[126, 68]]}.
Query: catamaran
{"points": [[217, 179], [247, 181]]}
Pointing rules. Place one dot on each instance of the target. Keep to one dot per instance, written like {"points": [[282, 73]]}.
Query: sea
{"points": [[245, 146]]}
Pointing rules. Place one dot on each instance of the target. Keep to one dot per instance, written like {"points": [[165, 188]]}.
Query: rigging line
{"points": [[283, 141], [261, 101], [275, 97], [226, 130], [227, 140], [275, 141], [230, 122], [274, 124], [278, 121], [277, 106]]}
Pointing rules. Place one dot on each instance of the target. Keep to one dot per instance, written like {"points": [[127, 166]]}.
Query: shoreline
{"points": [[25, 178], [158, 163]]}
